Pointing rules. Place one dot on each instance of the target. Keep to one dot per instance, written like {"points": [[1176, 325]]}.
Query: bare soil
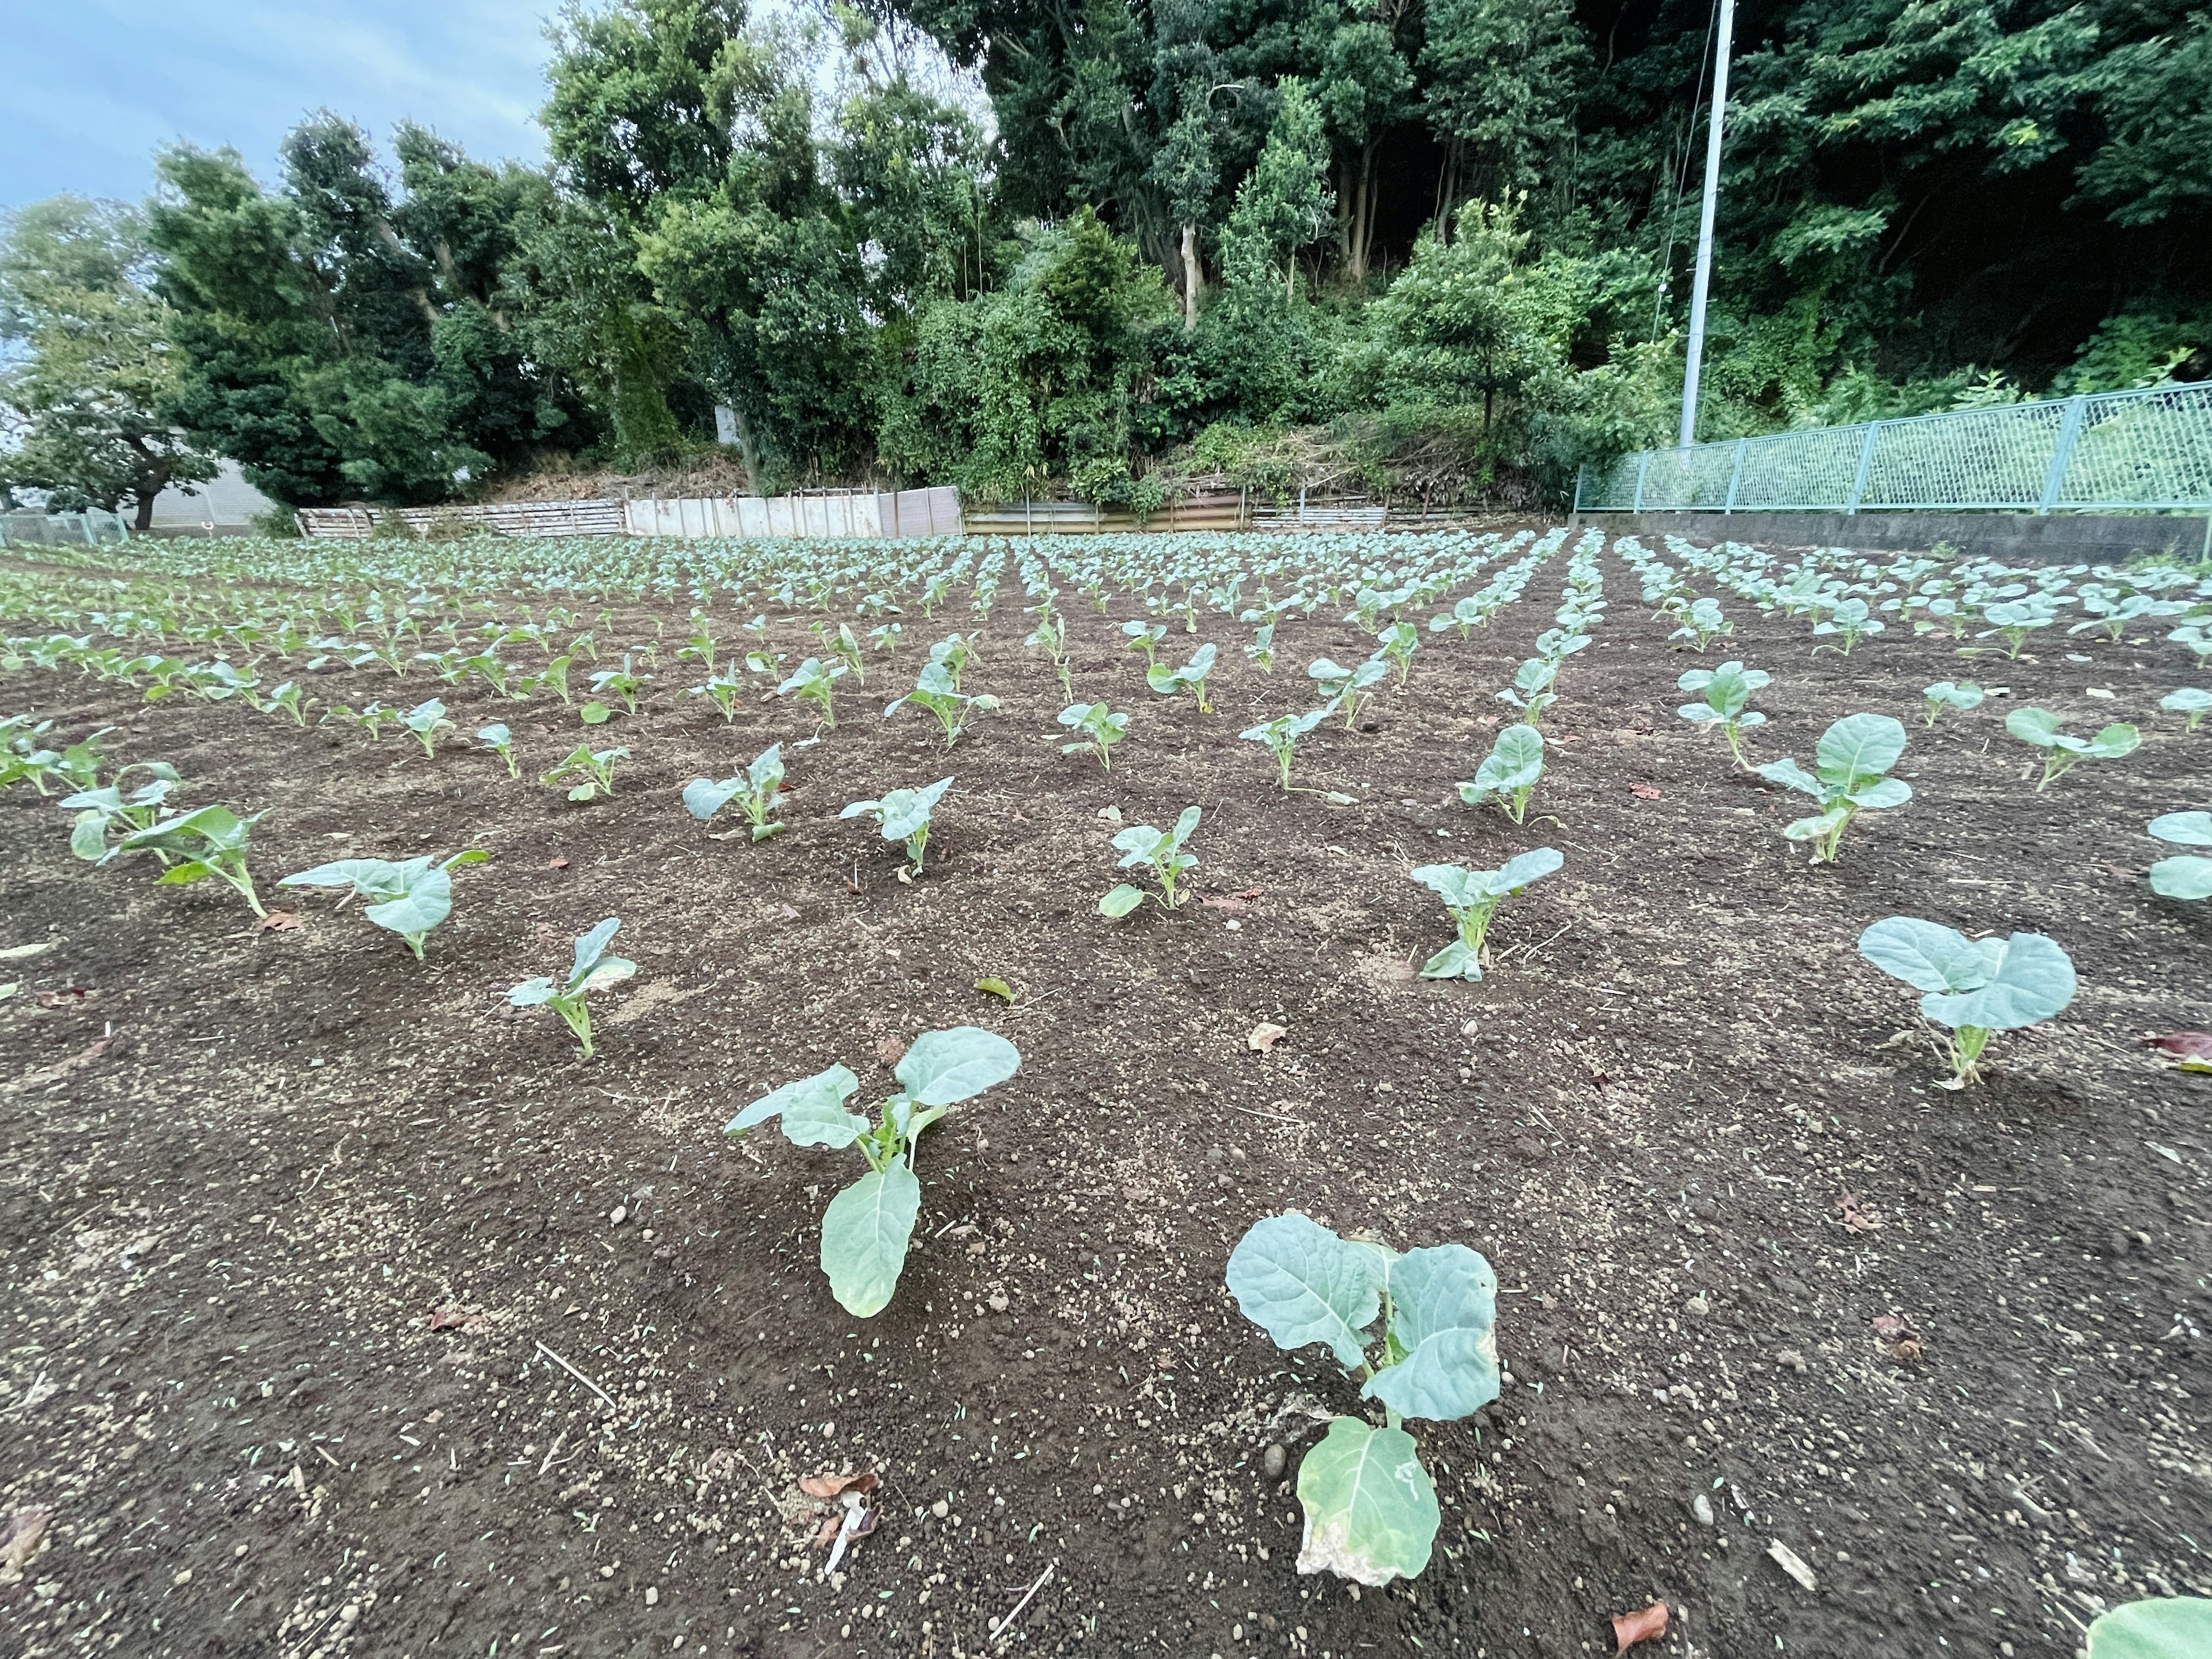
{"points": [[297, 1233]]}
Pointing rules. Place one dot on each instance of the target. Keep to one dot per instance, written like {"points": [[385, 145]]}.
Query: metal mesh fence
{"points": [[2118, 451]]}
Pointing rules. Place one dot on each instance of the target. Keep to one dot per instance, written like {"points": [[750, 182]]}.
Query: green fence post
{"points": [[1735, 474], [2054, 476], [1642, 466], [1866, 460]]}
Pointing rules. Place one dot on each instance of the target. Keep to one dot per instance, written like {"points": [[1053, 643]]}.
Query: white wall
{"points": [[225, 499]]}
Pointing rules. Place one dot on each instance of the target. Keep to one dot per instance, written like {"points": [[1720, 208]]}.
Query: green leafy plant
{"points": [[1509, 774], [287, 700], [625, 683], [2062, 751], [211, 841], [589, 773], [1145, 637], [1050, 636], [1474, 896], [2168, 1627], [1370, 1508], [1531, 692], [758, 789], [1281, 738], [903, 816], [1846, 625], [1944, 695], [2189, 700], [937, 689], [500, 742], [1102, 728], [1261, 648], [2186, 875], [1396, 644], [408, 898], [700, 645], [813, 681], [1850, 763], [554, 678], [1161, 851], [593, 970], [1347, 688], [868, 1226], [1702, 623], [104, 813], [428, 721], [1973, 987], [1190, 677], [1726, 691]]}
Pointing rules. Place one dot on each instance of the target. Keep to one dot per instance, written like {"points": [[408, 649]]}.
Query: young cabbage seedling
{"points": [[1168, 681], [1102, 728], [102, 812], [1262, 650], [500, 742], [2189, 700], [2039, 728], [1145, 637], [1849, 622], [625, 683], [1726, 691], [2159, 1627], [593, 770], [1509, 774], [937, 689], [1347, 688], [1973, 987], [428, 721], [1473, 897], [408, 898], [593, 970], [758, 789], [1370, 1508], [1161, 851], [1531, 692], [1396, 644], [1702, 624], [867, 1227], [286, 699], [812, 681], [2186, 875], [903, 816], [212, 840], [1851, 763], [1944, 695], [1281, 736]]}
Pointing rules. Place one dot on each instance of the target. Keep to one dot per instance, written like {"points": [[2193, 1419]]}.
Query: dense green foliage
{"points": [[1436, 249]]}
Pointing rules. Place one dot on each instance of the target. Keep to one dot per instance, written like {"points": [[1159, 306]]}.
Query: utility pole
{"points": [[1704, 276]]}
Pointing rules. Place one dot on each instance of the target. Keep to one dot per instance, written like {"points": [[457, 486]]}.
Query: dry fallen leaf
{"points": [[62, 1068], [1264, 1037], [1644, 791], [1213, 903], [1890, 1329], [829, 1486], [67, 996], [557, 864], [2191, 1050], [1630, 1628], [277, 921], [1856, 1219], [826, 1532], [452, 1319], [27, 1530]]}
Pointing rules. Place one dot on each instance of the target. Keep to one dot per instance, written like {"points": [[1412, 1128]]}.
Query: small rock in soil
{"points": [[1274, 1461]]}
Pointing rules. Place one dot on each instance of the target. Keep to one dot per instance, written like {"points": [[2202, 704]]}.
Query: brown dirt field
{"points": [[243, 1170]]}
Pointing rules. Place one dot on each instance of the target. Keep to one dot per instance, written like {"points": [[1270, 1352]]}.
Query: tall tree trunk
{"points": [[1362, 222], [1448, 187], [1194, 278], [143, 521]]}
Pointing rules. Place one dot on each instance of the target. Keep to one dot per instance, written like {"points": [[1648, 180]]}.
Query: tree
{"points": [[1188, 175], [1505, 81], [1283, 204], [85, 394], [1363, 90], [1463, 321]]}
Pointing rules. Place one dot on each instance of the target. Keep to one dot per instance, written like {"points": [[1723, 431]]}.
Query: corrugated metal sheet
{"points": [[828, 515]]}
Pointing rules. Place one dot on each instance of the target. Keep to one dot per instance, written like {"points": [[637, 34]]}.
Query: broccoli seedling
{"points": [[1160, 851], [885, 637], [1168, 681], [1347, 688], [1396, 645], [428, 721], [2160, 1627], [102, 812], [1726, 691], [2191, 700], [1102, 728], [408, 898], [1281, 735], [1851, 763], [903, 816], [1849, 622], [593, 770], [2184, 876], [212, 840], [2062, 751], [625, 683], [1944, 695], [953, 653], [1145, 637], [286, 699], [2014, 622], [1370, 1508], [812, 681], [554, 674], [723, 692], [868, 1226], [1050, 636], [1509, 774], [1702, 625], [1472, 896], [1531, 692], [937, 689], [1973, 987], [501, 741], [701, 644], [593, 970], [758, 789]]}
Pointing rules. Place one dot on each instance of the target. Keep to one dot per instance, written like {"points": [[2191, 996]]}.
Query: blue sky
{"points": [[99, 83]]}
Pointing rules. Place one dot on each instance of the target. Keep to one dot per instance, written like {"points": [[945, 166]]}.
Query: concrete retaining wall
{"points": [[2017, 537]]}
